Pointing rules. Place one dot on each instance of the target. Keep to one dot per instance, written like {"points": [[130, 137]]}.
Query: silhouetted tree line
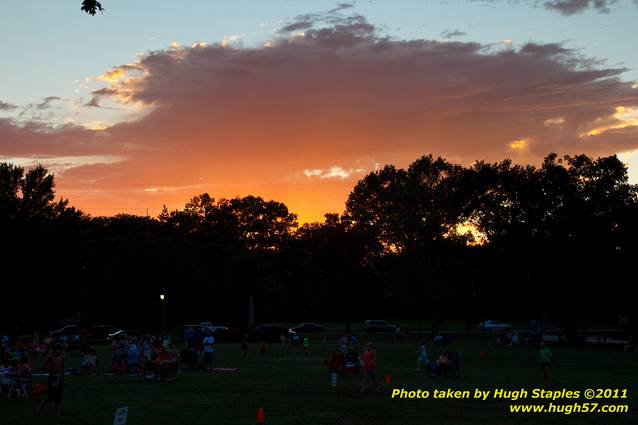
{"points": [[435, 241]]}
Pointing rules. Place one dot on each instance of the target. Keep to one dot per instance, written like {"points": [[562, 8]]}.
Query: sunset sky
{"points": [[153, 102]]}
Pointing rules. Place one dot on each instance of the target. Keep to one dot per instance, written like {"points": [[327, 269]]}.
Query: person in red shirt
{"points": [[369, 363]]}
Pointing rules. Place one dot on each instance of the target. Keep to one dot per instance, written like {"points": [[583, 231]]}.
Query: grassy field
{"points": [[295, 390]]}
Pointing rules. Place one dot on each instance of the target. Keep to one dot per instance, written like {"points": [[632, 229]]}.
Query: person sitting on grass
{"points": [[352, 359], [89, 362], [5, 378], [19, 347], [444, 364], [150, 370], [147, 368], [21, 375], [168, 364], [141, 366], [343, 347], [119, 368], [22, 369]]}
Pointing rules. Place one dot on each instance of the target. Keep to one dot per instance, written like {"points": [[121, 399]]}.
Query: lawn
{"points": [[295, 390]]}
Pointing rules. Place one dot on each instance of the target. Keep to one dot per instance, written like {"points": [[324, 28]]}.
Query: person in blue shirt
{"points": [[133, 357], [208, 351], [423, 359]]}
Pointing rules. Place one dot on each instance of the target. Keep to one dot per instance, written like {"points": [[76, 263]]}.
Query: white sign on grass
{"points": [[120, 416]]}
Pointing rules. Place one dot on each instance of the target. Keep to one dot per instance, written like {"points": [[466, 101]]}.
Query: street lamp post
{"points": [[163, 301]]}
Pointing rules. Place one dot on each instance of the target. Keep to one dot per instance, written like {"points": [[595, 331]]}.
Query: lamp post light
{"points": [[163, 301]]}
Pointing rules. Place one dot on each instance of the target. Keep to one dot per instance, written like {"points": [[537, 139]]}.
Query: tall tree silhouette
{"points": [[414, 213]]}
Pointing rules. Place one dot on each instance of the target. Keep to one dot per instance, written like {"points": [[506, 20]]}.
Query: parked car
{"points": [[124, 333], [220, 333], [67, 330], [374, 326], [493, 325], [307, 328], [212, 328], [269, 333], [101, 332]]}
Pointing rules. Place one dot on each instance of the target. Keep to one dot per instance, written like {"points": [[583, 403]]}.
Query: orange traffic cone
{"points": [[261, 417], [387, 378]]}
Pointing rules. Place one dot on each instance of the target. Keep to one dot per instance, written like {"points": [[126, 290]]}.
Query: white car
{"points": [[493, 325], [212, 328]]}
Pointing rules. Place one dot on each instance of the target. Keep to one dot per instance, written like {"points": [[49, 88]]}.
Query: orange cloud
{"points": [[301, 119]]}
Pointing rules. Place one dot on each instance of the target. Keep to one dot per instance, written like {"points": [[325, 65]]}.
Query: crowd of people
{"points": [[16, 370], [156, 358], [152, 358], [199, 345], [15, 376]]}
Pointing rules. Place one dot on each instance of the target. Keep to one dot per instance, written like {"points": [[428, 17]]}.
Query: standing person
{"points": [[89, 361], [133, 357], [515, 338], [208, 351], [189, 337], [422, 359], [4, 347], [244, 345], [284, 343], [263, 348], [546, 361], [306, 346], [369, 363], [54, 364], [115, 351]]}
